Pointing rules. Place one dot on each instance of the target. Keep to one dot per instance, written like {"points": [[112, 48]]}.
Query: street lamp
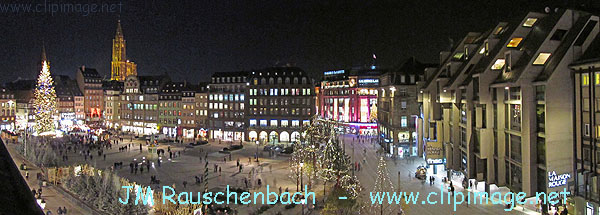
{"points": [[257, 142], [301, 177]]}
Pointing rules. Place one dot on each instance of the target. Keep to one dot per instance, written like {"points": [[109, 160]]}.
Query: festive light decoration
{"points": [[351, 185], [383, 184], [45, 99]]}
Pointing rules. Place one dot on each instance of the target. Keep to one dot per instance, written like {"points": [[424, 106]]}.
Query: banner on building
{"points": [[434, 151]]}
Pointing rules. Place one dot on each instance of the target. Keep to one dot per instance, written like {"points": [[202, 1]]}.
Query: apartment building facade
{"points": [[90, 84], [139, 104], [586, 78], [280, 101], [112, 103], [485, 107], [226, 106], [398, 108]]}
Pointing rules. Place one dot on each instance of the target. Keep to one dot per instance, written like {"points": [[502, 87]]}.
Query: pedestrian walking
{"points": [[104, 156]]}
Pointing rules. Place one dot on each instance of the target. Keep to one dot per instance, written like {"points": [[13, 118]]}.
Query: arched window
{"points": [[287, 80], [271, 81], [263, 81], [295, 80], [279, 80], [303, 80], [255, 81]]}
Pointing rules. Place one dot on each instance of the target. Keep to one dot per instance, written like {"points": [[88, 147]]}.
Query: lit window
{"points": [[263, 122], [514, 42], [541, 59], [482, 51], [499, 64], [305, 122], [459, 55], [597, 79], [274, 123], [404, 121], [498, 30], [529, 22], [585, 80], [252, 122]]}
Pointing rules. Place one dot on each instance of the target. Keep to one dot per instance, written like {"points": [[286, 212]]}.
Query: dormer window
{"points": [[498, 30], [529, 22], [499, 64], [514, 42], [487, 48], [458, 56], [541, 59]]}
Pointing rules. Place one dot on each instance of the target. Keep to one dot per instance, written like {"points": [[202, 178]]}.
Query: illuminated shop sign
{"points": [[435, 161], [67, 115], [368, 81], [336, 72], [555, 180]]}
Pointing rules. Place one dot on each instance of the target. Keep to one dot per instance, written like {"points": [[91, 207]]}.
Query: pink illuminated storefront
{"points": [[349, 98]]}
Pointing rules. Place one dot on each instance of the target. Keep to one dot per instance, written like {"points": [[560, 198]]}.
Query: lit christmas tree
{"points": [[45, 99], [383, 184]]}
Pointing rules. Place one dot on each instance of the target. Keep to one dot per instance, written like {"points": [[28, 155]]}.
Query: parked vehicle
{"points": [[421, 173], [274, 148], [287, 150], [198, 143]]}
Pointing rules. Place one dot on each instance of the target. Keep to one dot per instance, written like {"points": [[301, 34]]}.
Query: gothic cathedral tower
{"points": [[120, 66]]}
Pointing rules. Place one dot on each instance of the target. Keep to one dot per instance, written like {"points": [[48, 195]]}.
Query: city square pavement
{"points": [[273, 171], [189, 162]]}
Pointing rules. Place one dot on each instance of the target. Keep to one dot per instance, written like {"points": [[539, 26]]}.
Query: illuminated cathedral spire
{"points": [[120, 66]]}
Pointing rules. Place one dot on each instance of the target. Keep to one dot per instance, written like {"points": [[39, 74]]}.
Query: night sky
{"points": [[192, 39]]}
